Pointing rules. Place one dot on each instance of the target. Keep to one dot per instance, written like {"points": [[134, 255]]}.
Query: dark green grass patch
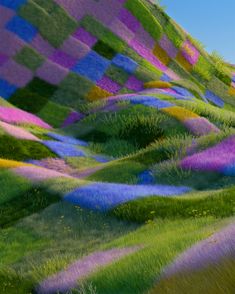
{"points": [[25, 204], [72, 90], [104, 50], [21, 150], [29, 58], [218, 204], [143, 14], [54, 114], [54, 24], [28, 101], [11, 186], [117, 74], [102, 33], [119, 172], [41, 87], [13, 283]]}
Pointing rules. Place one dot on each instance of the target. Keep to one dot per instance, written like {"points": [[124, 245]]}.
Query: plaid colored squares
{"points": [[22, 28], [92, 66]]}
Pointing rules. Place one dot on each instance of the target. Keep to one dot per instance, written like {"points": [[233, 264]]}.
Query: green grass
{"points": [[48, 17], [26, 203], [29, 58], [162, 241], [21, 150], [216, 279], [119, 172], [143, 14], [50, 240], [11, 186], [218, 204]]}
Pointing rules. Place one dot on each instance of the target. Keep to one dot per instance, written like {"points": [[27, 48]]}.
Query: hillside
{"points": [[117, 152]]}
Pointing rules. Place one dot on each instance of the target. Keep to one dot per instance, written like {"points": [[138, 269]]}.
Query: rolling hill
{"points": [[117, 152]]}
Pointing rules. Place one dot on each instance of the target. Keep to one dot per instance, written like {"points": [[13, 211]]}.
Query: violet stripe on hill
{"points": [[212, 159], [68, 279], [209, 251]]}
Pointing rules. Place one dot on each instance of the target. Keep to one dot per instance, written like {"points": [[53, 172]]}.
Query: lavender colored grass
{"points": [[63, 59], [69, 278], [168, 46], [109, 85], [200, 126], [16, 116], [215, 158], [6, 15], [144, 37], [72, 118], [75, 48], [52, 72], [42, 46], [16, 74], [182, 91], [36, 174], [85, 37], [12, 44], [67, 139], [129, 20], [55, 164], [18, 132], [207, 252], [3, 58], [64, 149], [105, 196], [134, 84], [147, 54], [119, 28]]}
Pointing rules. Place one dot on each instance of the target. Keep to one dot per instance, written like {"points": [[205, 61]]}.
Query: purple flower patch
{"points": [[42, 46], [168, 46], [86, 37], [107, 84], [52, 72], [68, 278], [63, 59], [118, 28], [207, 252], [200, 126], [212, 159], [129, 20], [75, 48], [134, 84], [72, 118], [3, 59], [64, 149], [105, 196], [16, 74]]}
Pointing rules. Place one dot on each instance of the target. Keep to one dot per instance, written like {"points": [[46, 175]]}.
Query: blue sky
{"points": [[210, 21]]}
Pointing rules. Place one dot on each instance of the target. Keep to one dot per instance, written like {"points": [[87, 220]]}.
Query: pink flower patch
{"points": [[16, 116], [37, 174], [18, 132]]}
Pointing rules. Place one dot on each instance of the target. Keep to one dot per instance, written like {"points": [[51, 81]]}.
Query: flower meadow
{"points": [[117, 151]]}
